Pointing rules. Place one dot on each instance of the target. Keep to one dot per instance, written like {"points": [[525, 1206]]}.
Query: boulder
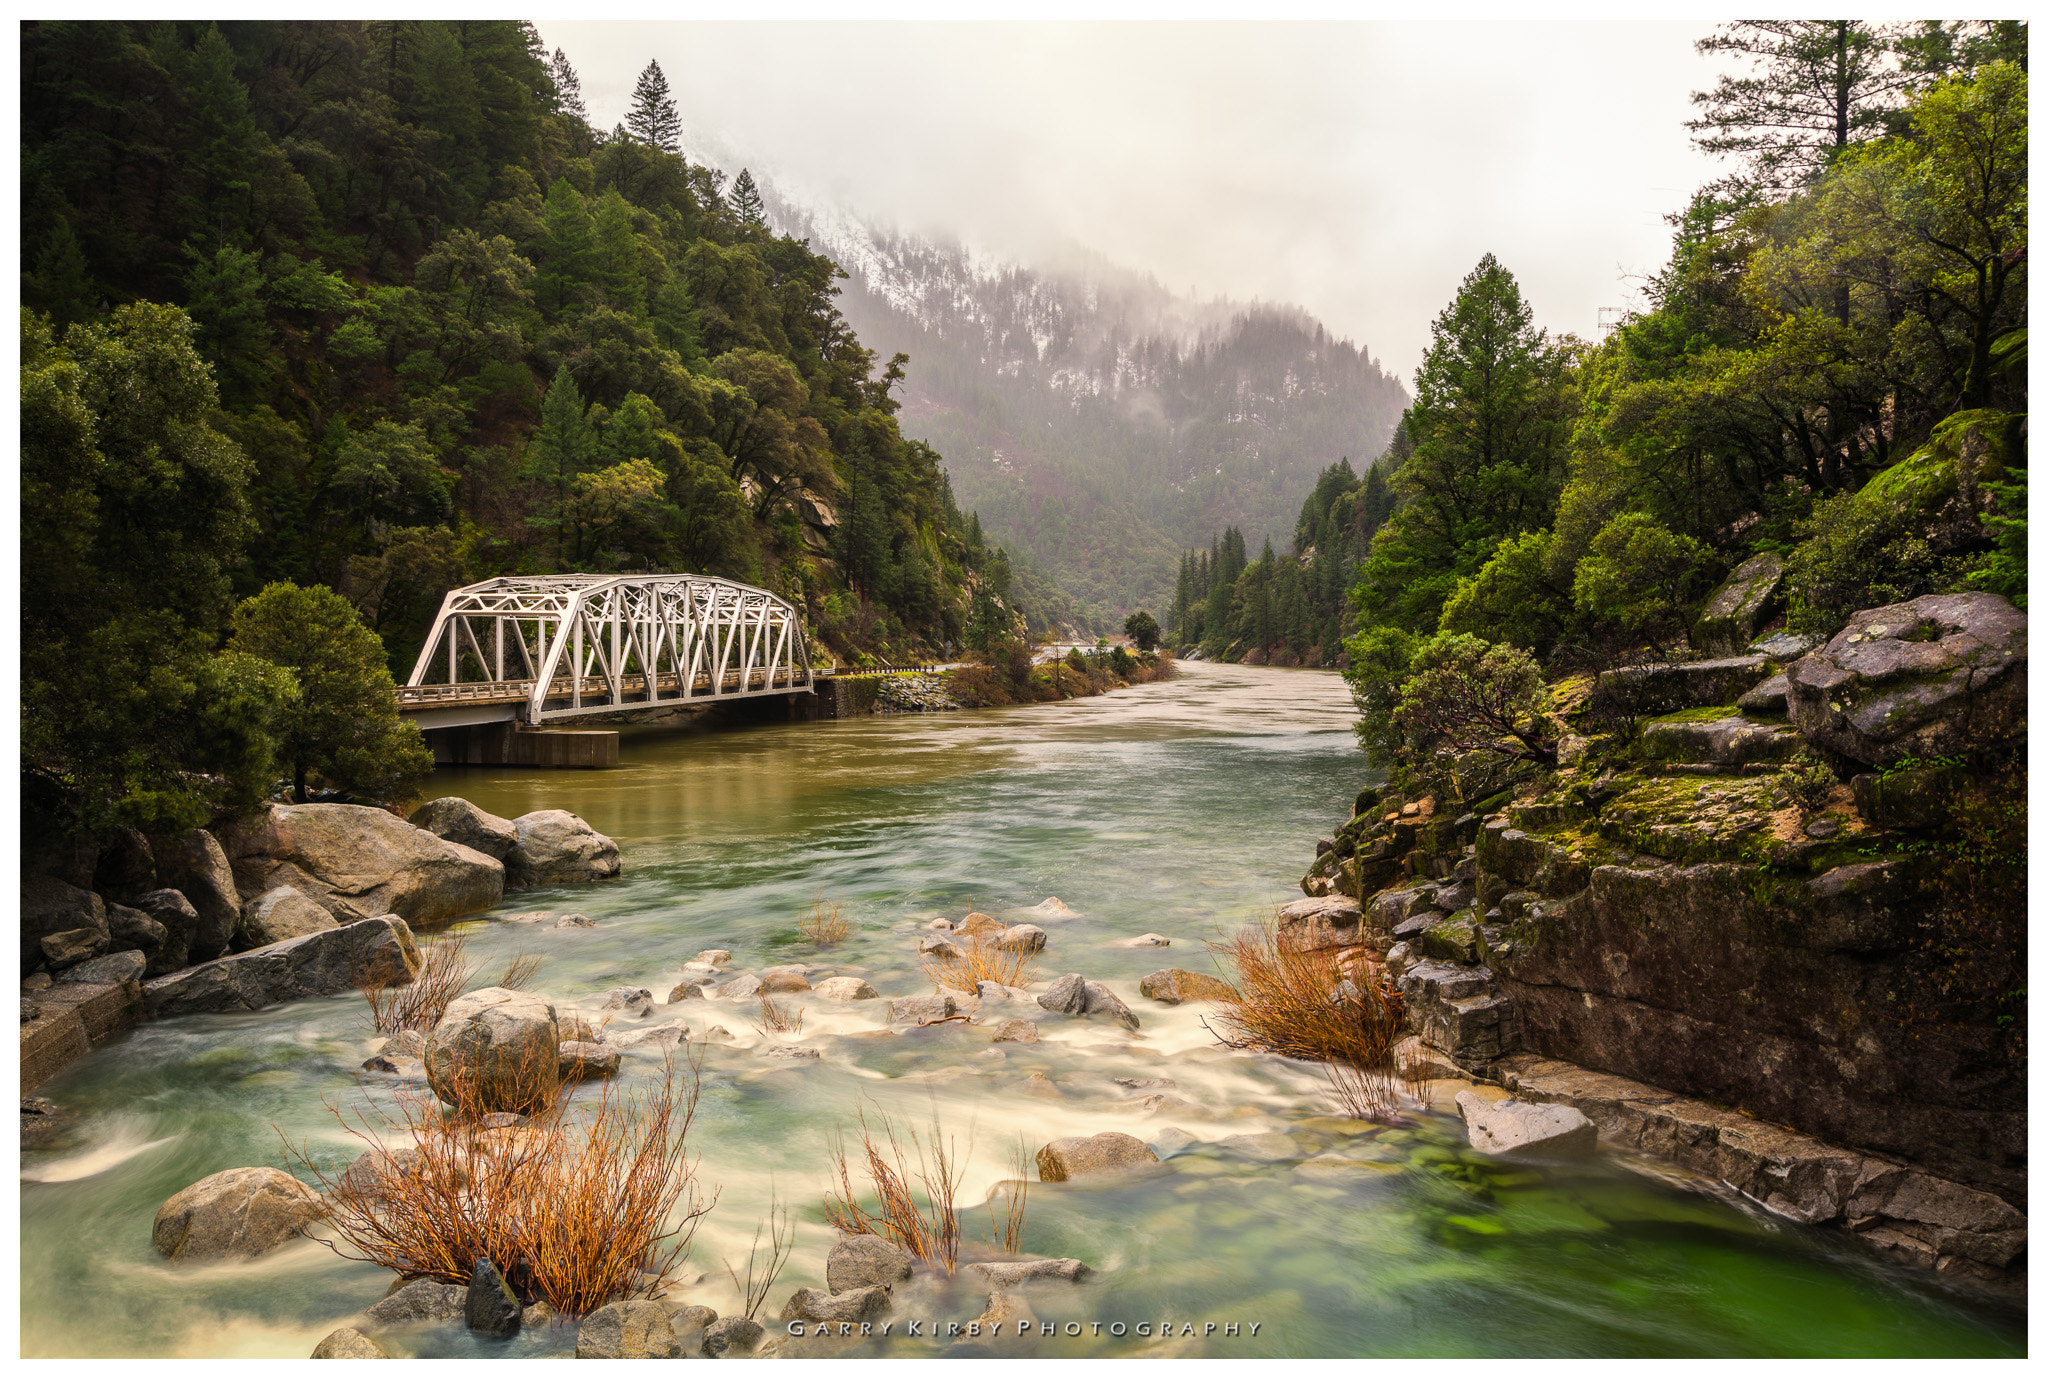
{"points": [[1006, 1312], [1074, 994], [1916, 797], [741, 988], [715, 957], [732, 1336], [489, 1305], [69, 947], [690, 989], [856, 1305], [866, 1261], [575, 922], [130, 928], [934, 946], [576, 1060], [1785, 647], [1745, 601], [633, 1002], [574, 1029], [627, 1331], [997, 994], [1015, 1032], [358, 862], [1146, 941], [1172, 985], [555, 847], [780, 983], [977, 924], [176, 916], [376, 1171], [278, 914], [1327, 921], [1766, 698], [459, 821], [111, 970], [918, 1010], [420, 1300], [1011, 1273], [1049, 908], [495, 1050], [319, 964], [1930, 677], [1093, 1157], [688, 1320], [195, 865], [1537, 1130], [238, 1213], [1667, 688], [348, 1344], [50, 906], [944, 925], [846, 989], [1022, 938], [656, 1038], [1729, 743]]}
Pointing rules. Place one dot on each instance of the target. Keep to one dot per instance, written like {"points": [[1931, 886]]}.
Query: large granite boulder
{"points": [[627, 1331], [1726, 743], [1328, 921], [1531, 1129], [1074, 994], [50, 906], [377, 950], [490, 1306], [555, 847], [732, 1336], [179, 919], [458, 821], [195, 865], [278, 914], [1741, 606], [238, 1213], [358, 862], [1095, 1156], [132, 929], [1926, 678], [495, 1050]]}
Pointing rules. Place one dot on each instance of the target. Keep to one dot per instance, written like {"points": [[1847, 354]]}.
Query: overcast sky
{"points": [[1359, 170]]}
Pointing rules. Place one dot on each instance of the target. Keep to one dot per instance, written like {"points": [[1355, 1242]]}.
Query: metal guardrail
{"points": [[852, 672]]}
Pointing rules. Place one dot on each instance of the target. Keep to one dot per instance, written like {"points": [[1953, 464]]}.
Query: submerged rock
{"points": [[918, 1010], [1015, 1032], [854, 1305], [732, 1336], [576, 1060], [1023, 938], [865, 1261], [1547, 1130], [657, 1038], [846, 989], [1049, 908], [1173, 985], [779, 983], [630, 1001], [238, 1213], [347, 1343], [627, 1331], [1010, 1273], [1093, 1157], [419, 1300], [1074, 994]]}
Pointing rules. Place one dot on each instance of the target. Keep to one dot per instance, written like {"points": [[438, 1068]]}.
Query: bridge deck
{"points": [[668, 689]]}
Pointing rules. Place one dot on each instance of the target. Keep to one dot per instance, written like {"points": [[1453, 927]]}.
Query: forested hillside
{"points": [[371, 307], [1097, 422], [1830, 371]]}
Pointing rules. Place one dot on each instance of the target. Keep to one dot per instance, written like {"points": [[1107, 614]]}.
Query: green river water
{"points": [[1183, 809]]}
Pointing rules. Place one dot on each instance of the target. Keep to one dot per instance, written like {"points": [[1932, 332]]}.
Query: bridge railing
{"points": [[848, 672]]}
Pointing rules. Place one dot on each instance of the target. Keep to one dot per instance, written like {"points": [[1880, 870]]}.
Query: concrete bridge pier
{"points": [[513, 744]]}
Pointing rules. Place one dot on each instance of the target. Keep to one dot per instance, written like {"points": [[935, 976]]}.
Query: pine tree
{"points": [[619, 270], [567, 249], [652, 119], [1818, 86], [568, 89], [562, 445], [746, 200]]}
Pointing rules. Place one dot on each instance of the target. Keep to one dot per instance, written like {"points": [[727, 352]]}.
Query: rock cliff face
{"points": [[1816, 963]]}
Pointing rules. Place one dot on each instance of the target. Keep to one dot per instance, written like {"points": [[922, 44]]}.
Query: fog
{"points": [[1358, 170]]}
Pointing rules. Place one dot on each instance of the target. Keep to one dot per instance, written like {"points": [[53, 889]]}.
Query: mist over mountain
{"points": [[1098, 422]]}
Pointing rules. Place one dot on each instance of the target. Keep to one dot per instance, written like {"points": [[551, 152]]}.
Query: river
{"points": [[1183, 809]]}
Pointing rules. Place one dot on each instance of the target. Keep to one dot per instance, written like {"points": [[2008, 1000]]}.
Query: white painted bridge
{"points": [[542, 648]]}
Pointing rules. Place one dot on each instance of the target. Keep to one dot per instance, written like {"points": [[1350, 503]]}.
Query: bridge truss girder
{"points": [[587, 644]]}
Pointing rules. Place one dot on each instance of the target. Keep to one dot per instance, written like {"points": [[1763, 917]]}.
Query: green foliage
{"points": [[1809, 782], [1640, 577], [344, 727], [1381, 656], [1511, 598], [1463, 696], [1143, 630]]}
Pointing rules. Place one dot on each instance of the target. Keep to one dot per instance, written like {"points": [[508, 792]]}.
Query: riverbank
{"points": [[1073, 676], [1266, 1208]]}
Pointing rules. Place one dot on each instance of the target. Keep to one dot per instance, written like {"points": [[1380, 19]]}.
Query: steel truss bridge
{"points": [[543, 648]]}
